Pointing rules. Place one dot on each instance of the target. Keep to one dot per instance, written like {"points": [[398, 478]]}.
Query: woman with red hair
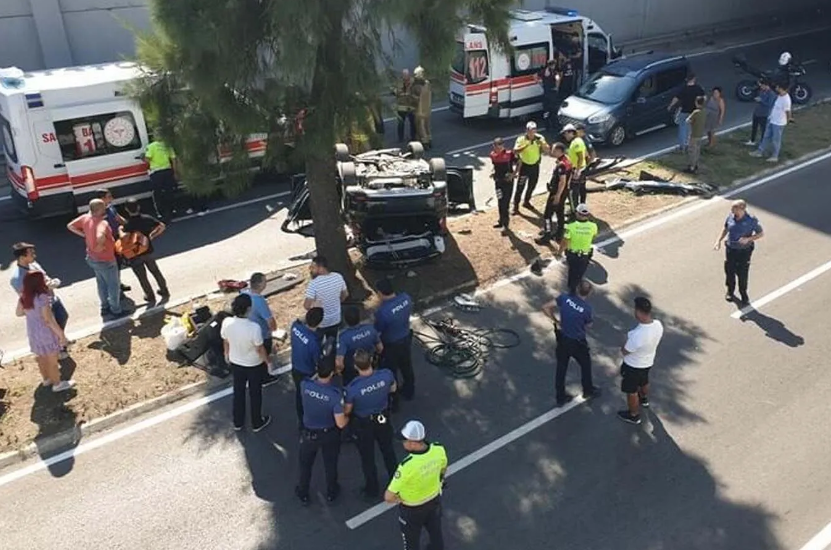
{"points": [[46, 337]]}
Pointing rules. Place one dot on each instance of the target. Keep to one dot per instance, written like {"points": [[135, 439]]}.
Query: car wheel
{"points": [[415, 149], [348, 173], [342, 152], [438, 169], [617, 135]]}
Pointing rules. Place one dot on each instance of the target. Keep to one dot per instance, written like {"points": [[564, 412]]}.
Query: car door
{"points": [[669, 80], [641, 109], [599, 49], [460, 186]]}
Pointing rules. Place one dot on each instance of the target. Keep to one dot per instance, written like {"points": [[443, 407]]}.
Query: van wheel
{"points": [[342, 152], [617, 135]]}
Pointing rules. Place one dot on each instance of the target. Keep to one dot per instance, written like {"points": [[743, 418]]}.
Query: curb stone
{"points": [[68, 439]]}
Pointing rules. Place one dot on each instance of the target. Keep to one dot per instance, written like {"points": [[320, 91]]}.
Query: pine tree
{"points": [[219, 70]]}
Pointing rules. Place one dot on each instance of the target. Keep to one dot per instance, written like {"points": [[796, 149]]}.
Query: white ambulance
{"points": [[69, 132], [485, 82]]}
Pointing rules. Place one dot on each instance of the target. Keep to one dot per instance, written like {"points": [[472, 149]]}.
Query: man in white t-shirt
{"points": [[242, 340], [327, 290], [638, 357], [780, 116]]}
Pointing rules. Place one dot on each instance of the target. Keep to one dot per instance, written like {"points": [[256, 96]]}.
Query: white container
{"points": [[174, 335]]}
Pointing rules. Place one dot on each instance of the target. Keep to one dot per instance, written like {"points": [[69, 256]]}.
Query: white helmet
{"points": [[784, 59]]}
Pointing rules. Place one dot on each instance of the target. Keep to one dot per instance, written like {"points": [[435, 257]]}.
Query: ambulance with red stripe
{"points": [[486, 82], [69, 132]]}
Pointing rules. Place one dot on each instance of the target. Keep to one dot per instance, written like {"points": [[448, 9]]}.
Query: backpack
{"points": [[132, 245]]}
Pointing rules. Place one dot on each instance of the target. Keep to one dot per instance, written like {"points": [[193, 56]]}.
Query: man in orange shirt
{"points": [[100, 242]]}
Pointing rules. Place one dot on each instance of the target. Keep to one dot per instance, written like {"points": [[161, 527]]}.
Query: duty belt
{"points": [[378, 418], [579, 252]]}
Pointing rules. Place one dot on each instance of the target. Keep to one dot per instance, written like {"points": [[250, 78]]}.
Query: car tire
{"points": [[617, 135], [342, 152], [438, 169], [348, 173], [415, 149]]}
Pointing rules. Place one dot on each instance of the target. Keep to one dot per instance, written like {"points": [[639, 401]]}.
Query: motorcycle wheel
{"points": [[801, 93], [746, 90]]}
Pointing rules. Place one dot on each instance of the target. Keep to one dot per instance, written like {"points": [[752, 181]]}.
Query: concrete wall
{"points": [[36, 34]]}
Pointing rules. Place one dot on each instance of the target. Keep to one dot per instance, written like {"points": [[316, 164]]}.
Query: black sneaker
{"points": [[333, 496], [164, 293], [595, 392], [126, 288], [497, 226], [543, 239], [304, 499], [238, 428], [564, 400], [630, 418], [745, 300], [266, 422], [644, 401], [729, 297]]}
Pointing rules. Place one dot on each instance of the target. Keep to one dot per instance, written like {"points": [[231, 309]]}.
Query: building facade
{"points": [[39, 34]]}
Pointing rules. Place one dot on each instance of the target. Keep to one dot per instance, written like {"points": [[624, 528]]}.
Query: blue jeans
{"points": [[683, 130], [109, 285], [772, 137]]}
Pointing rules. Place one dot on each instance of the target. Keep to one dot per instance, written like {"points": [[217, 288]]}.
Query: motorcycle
{"points": [[747, 90]]}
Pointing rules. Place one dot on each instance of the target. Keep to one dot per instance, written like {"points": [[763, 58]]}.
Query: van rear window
{"points": [[7, 141], [97, 135]]}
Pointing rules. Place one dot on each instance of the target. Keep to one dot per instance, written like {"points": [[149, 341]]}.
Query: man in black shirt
{"points": [[151, 228], [549, 77], [568, 77], [685, 103], [557, 194], [504, 166]]}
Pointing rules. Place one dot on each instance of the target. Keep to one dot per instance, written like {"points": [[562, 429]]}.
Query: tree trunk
{"points": [[330, 236]]}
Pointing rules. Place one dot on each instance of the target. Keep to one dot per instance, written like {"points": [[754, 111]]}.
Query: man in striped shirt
{"points": [[326, 290]]}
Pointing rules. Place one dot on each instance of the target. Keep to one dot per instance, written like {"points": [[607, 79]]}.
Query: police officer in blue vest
{"points": [[357, 336], [305, 353], [570, 332], [392, 321], [323, 418], [367, 404]]}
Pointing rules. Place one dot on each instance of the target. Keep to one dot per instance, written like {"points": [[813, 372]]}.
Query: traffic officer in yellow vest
{"points": [[529, 148], [423, 94], [405, 105], [416, 488], [577, 243], [161, 161]]}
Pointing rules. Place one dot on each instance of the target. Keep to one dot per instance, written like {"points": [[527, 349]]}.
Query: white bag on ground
{"points": [[174, 334]]}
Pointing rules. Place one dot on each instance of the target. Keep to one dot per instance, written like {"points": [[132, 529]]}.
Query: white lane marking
{"points": [[120, 434], [231, 206], [474, 457], [781, 291], [436, 110], [821, 541], [760, 41], [661, 220]]}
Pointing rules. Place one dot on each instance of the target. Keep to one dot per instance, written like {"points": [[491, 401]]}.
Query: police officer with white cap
{"points": [[416, 488], [323, 417], [367, 404], [577, 243]]}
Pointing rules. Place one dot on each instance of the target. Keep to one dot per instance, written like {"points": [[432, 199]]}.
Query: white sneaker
{"points": [[63, 386], [773, 159], [63, 355], [756, 154], [750, 143]]}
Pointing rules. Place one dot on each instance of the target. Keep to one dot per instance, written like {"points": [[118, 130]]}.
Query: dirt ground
{"points": [[130, 364]]}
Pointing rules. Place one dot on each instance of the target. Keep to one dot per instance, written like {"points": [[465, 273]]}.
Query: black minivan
{"points": [[627, 97]]}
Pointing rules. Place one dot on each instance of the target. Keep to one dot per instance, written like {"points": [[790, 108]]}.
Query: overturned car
{"points": [[393, 201]]}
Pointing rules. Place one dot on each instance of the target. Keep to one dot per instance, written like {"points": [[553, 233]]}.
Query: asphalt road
{"points": [[732, 455], [198, 251]]}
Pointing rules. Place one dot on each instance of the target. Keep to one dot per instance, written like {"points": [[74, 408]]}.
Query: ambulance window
{"points": [[458, 64], [97, 135], [7, 140], [529, 59], [476, 68]]}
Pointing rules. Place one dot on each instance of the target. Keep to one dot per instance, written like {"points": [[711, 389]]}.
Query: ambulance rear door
{"points": [[527, 60], [470, 85], [101, 146]]}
